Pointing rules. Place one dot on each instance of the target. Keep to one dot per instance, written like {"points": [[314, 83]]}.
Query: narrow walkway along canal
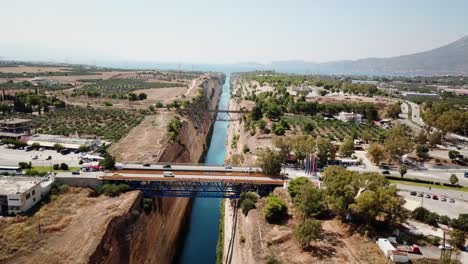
{"points": [[200, 241]]}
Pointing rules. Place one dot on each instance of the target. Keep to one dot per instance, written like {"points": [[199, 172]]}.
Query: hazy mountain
{"points": [[449, 59]]}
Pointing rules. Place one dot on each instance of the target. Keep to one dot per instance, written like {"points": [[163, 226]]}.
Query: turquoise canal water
{"points": [[202, 234]]}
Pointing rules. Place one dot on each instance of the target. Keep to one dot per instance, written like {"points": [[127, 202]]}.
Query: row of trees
{"points": [[395, 143], [270, 160], [274, 104], [446, 118]]}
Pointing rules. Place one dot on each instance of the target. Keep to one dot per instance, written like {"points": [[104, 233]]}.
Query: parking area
{"points": [[442, 208], [11, 157]]}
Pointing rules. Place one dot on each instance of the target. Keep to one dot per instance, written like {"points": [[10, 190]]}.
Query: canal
{"points": [[199, 245]]}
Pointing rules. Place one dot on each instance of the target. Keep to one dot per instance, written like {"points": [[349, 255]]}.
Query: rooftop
{"points": [[14, 121], [15, 184], [67, 142]]}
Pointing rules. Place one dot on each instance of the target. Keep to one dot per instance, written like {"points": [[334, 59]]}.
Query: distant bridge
{"points": [[194, 183], [214, 114]]}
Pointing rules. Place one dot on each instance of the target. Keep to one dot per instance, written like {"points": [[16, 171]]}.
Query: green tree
{"points": [[279, 130], [307, 231], [283, 144], [142, 96], [421, 138], [435, 138], [108, 162], [376, 152], [311, 201], [247, 205], [397, 142], [394, 111], [256, 113], [402, 170], [457, 238], [453, 154], [347, 148], [453, 179], [275, 209], [58, 146], [295, 185], [422, 151], [342, 187], [36, 145], [325, 150], [308, 128], [84, 148], [270, 162], [383, 201], [63, 166]]}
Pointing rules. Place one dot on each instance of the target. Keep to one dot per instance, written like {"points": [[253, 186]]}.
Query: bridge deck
{"points": [[151, 176]]}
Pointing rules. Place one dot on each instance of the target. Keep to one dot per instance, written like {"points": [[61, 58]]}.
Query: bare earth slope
{"points": [[67, 230]]}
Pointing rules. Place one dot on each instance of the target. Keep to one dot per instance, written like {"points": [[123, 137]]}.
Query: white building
{"points": [[19, 194], [49, 141], [350, 117]]}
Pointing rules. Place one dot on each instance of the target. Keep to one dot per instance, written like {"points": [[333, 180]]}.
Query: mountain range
{"points": [[451, 59]]}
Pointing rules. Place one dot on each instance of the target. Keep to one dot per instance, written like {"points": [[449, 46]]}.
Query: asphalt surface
{"points": [[193, 177], [11, 157]]}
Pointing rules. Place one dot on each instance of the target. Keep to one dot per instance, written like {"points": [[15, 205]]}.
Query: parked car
{"points": [[443, 199], [28, 148], [167, 166], [41, 149], [428, 196], [446, 247], [386, 172], [168, 174], [35, 157], [76, 173], [452, 200], [228, 167], [49, 158], [65, 151], [146, 165], [413, 193], [435, 197], [420, 194]]}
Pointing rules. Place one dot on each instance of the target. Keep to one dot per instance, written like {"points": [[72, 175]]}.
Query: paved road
{"points": [[416, 114], [430, 175], [11, 157], [202, 178], [188, 167]]}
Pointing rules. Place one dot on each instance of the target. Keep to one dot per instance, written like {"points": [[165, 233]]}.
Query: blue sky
{"points": [[218, 31]]}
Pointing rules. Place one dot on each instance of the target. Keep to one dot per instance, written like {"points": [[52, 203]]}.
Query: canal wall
{"points": [[154, 236]]}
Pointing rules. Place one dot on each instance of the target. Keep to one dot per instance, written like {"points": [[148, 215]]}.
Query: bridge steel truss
{"points": [[188, 188]]}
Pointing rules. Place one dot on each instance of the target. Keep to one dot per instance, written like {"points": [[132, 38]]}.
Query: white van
{"points": [[168, 174]]}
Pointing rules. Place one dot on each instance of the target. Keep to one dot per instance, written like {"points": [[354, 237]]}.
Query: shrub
{"points": [[63, 166], [457, 238], [273, 260], [148, 205], [295, 186], [311, 201], [113, 190], [24, 165], [56, 166], [173, 128], [247, 201], [58, 146], [307, 231], [275, 209], [63, 188], [247, 205]]}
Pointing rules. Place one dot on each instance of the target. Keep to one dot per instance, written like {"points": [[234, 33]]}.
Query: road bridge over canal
{"points": [[209, 182]]}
